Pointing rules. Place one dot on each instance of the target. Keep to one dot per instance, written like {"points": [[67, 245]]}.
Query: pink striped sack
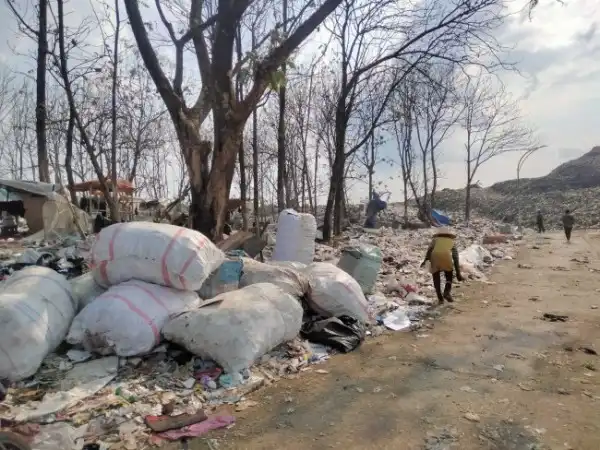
{"points": [[158, 253], [127, 319]]}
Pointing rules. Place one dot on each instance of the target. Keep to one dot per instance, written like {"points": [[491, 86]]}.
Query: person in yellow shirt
{"points": [[443, 257]]}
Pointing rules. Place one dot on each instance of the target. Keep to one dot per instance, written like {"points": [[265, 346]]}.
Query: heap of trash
{"points": [[139, 335]]}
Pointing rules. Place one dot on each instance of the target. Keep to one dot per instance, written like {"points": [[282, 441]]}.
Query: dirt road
{"points": [[488, 374]]}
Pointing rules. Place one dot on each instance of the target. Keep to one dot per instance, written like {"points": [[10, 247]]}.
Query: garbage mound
{"points": [[156, 344]]}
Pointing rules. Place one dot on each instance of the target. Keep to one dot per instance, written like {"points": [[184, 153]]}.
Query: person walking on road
{"points": [[443, 257], [568, 221], [540, 222]]}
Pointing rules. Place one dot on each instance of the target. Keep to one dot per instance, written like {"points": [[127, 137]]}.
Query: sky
{"points": [[558, 56], [557, 53]]}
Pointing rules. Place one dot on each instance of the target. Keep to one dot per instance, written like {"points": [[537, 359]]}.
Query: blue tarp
{"points": [[439, 220]]}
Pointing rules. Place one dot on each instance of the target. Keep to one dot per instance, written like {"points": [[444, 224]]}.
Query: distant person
{"points": [[568, 221], [540, 222], [374, 206], [443, 257]]}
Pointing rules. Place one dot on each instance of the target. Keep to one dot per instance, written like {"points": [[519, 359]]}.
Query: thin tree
{"points": [[493, 126]]}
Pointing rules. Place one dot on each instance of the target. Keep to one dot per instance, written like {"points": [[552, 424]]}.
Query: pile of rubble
{"points": [[78, 399]]}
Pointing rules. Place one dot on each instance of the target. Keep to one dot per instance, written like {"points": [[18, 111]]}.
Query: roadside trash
{"points": [[198, 429], [225, 279], [85, 289], [37, 309], [126, 320], [554, 317], [289, 279], [236, 328], [494, 239], [154, 252], [362, 262], [397, 320], [165, 423], [296, 234], [342, 333], [334, 293], [81, 382]]}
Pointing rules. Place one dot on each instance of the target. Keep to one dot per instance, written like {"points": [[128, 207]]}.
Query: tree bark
{"points": [[40, 110], [281, 159], [69, 158], [113, 138], [335, 196]]}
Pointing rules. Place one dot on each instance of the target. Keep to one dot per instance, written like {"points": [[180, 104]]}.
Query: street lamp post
{"points": [[527, 153]]}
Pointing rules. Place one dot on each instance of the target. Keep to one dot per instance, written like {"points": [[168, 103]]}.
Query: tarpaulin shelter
{"points": [[94, 202], [43, 205]]}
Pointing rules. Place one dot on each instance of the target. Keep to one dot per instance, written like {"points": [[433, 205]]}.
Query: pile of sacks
{"points": [[150, 282]]}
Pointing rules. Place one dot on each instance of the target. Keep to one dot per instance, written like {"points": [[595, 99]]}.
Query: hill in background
{"points": [[574, 184]]}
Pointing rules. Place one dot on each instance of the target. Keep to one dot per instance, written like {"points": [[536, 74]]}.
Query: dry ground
{"points": [[488, 374]]}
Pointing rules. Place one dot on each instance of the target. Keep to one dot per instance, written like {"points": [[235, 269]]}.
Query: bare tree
{"points": [[210, 186], [373, 42], [40, 36], [435, 113], [492, 123]]}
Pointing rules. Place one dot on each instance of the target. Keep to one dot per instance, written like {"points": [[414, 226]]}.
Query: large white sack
{"points": [[126, 320], [474, 257], [236, 328], [85, 289], [291, 280], [36, 309], [158, 253], [334, 293], [296, 234]]}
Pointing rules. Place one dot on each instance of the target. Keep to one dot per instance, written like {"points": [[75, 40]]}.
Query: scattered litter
{"points": [[472, 417], [397, 320], [198, 429], [555, 317]]}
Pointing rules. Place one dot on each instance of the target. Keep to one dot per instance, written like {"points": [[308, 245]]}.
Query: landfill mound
{"points": [[573, 185]]}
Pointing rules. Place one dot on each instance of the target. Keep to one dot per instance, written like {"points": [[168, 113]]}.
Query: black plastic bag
{"points": [[343, 333]]}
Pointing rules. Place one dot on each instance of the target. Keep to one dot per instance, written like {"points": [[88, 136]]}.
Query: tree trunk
{"points": [[335, 197], [40, 110], [256, 192], [243, 187], [69, 158], [281, 163], [468, 202], [113, 139]]}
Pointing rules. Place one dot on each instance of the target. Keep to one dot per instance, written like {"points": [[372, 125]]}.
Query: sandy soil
{"points": [[489, 373]]}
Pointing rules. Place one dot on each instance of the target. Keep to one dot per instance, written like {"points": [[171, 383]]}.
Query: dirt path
{"points": [[488, 374]]}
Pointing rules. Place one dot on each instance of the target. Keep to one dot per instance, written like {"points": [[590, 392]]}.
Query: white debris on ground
{"points": [[77, 399]]}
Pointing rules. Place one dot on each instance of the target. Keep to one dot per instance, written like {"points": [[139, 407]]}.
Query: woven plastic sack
{"points": [[236, 328], [36, 309], [296, 234], [85, 289], [154, 252], [126, 320], [291, 280], [334, 293]]}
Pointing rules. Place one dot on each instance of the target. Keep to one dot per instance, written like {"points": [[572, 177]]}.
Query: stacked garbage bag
{"points": [[150, 282]]}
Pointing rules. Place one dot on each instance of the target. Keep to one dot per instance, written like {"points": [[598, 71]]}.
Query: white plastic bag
{"points": [[334, 293], [85, 289], [295, 237], [473, 260], [154, 252], [237, 327], [36, 309], [289, 279], [126, 320]]}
